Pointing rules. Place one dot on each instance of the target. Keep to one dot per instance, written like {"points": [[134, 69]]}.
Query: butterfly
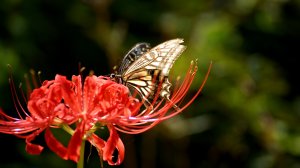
{"points": [[145, 70]]}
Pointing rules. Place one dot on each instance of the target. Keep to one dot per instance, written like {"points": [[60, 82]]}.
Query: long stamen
{"points": [[33, 78], [16, 100], [202, 85], [141, 124], [39, 77], [28, 86], [195, 96], [24, 99]]}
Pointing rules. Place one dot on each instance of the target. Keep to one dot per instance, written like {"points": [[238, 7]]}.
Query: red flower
{"points": [[97, 102]]}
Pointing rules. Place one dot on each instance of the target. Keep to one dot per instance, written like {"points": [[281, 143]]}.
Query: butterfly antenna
{"points": [[115, 69]]}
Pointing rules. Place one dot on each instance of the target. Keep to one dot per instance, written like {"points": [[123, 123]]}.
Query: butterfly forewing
{"points": [[154, 57], [134, 53], [168, 62]]}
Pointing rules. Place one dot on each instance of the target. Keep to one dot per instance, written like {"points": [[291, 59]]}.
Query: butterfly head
{"points": [[115, 77]]}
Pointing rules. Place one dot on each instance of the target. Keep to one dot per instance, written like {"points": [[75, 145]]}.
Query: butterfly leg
{"points": [[148, 105], [173, 104]]}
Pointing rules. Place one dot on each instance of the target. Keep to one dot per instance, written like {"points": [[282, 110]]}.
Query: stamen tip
{"points": [[32, 72], [91, 73], [82, 69], [25, 75]]}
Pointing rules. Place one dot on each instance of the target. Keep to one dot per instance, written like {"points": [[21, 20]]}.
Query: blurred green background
{"points": [[248, 113]]}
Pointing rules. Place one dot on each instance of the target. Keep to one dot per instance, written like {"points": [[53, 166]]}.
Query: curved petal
{"points": [[113, 143], [98, 143], [71, 92], [75, 143], [55, 145], [33, 148]]}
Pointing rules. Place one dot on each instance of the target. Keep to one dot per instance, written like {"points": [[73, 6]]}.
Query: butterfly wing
{"points": [[134, 53], [152, 69], [155, 57]]}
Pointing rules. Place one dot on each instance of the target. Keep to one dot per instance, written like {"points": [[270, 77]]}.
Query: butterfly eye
{"points": [[112, 76], [115, 77]]}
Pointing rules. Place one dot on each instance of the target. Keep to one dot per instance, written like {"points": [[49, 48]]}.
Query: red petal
{"points": [[90, 87], [75, 143], [33, 149], [113, 142], [55, 145], [71, 92], [97, 142]]}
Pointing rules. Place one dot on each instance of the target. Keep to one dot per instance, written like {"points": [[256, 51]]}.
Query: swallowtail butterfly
{"points": [[145, 70]]}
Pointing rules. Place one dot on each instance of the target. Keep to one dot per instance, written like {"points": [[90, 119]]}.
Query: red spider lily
{"points": [[60, 103]]}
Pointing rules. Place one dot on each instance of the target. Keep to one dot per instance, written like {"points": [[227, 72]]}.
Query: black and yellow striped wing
{"points": [[133, 54], [151, 69]]}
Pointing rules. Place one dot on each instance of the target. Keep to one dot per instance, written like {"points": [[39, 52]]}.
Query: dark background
{"points": [[248, 113]]}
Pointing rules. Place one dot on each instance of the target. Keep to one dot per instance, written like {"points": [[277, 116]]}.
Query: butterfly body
{"points": [[145, 70]]}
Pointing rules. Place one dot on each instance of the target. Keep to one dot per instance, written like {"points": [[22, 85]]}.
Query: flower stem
{"points": [[67, 128], [81, 158]]}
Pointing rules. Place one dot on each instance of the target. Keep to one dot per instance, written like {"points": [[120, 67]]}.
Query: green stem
{"points": [[81, 158], [67, 128]]}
